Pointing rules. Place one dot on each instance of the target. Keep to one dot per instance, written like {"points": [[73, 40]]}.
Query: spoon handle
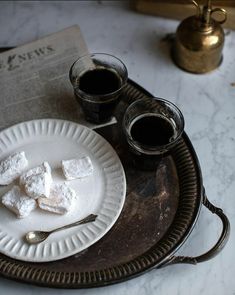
{"points": [[89, 218]]}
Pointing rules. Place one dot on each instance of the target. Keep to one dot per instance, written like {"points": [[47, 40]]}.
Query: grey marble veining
{"points": [[207, 102]]}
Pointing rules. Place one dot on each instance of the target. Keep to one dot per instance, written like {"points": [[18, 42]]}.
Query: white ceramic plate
{"points": [[102, 193]]}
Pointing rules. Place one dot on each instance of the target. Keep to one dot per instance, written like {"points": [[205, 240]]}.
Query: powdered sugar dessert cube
{"points": [[37, 181], [43, 168], [16, 201], [38, 185], [60, 200], [77, 168], [12, 167]]}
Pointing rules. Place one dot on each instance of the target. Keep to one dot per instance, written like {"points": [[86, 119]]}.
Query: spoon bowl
{"points": [[35, 237]]}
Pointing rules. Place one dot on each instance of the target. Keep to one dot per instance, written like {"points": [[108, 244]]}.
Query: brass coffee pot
{"points": [[199, 40]]}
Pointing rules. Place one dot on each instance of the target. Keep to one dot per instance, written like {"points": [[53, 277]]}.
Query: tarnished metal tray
{"points": [[161, 209]]}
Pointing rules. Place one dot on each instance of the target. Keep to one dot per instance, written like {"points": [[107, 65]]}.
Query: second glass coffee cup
{"points": [[152, 127], [98, 80]]}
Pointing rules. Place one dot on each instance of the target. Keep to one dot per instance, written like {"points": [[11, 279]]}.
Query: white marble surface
{"points": [[207, 102]]}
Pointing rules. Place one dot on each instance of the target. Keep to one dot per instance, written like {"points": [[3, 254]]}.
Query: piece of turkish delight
{"points": [[60, 200], [37, 181], [12, 167], [16, 201], [77, 168]]}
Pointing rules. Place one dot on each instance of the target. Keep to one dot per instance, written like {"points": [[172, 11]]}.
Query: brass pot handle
{"points": [[210, 11], [216, 248], [223, 11], [197, 7]]}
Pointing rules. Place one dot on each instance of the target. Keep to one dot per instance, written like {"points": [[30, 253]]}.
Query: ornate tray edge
{"points": [[112, 275]]}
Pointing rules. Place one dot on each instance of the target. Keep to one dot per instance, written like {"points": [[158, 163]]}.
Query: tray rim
{"points": [[6, 270]]}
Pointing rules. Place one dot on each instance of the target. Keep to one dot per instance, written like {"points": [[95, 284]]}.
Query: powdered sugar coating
{"points": [[60, 200], [37, 181], [43, 168], [77, 168], [16, 201], [12, 167]]}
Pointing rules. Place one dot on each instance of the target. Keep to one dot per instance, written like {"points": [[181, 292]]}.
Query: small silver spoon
{"points": [[36, 237]]}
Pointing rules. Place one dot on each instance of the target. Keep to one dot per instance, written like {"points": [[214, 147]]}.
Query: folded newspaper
{"points": [[34, 79]]}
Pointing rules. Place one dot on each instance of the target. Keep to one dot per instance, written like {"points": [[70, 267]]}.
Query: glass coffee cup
{"points": [[152, 128], [98, 80]]}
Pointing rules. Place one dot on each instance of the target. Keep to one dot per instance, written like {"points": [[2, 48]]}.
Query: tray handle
{"points": [[216, 248]]}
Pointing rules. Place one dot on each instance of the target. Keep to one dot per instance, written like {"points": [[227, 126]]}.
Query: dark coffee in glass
{"points": [[98, 80], [152, 130]]}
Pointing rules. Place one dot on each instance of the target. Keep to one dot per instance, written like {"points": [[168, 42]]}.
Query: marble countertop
{"points": [[207, 102]]}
